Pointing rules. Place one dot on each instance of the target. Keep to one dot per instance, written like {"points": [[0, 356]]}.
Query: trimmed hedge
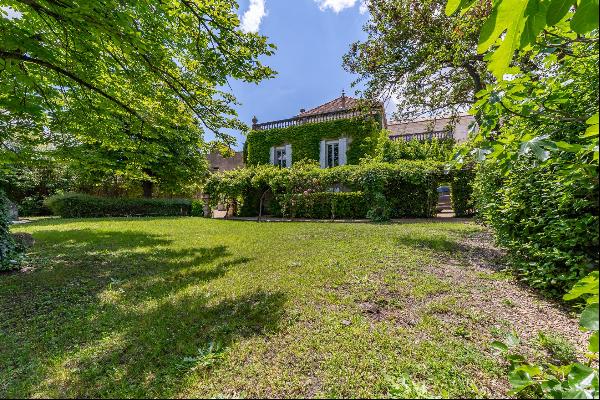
{"points": [[329, 205], [74, 205], [403, 189], [547, 220], [461, 193], [305, 140], [9, 254]]}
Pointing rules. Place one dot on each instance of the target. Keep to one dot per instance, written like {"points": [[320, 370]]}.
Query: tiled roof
{"points": [[341, 103], [426, 125]]}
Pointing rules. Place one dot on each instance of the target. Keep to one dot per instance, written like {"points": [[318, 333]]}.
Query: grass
{"points": [[172, 307]]}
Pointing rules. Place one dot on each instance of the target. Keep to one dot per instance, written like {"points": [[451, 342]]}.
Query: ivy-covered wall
{"points": [[305, 139]]}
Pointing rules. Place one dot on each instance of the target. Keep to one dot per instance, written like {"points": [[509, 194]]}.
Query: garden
{"points": [[116, 284]]}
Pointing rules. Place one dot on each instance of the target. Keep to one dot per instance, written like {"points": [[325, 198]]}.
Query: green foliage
{"points": [[461, 192], [9, 256], [570, 381], [74, 205], [409, 188], [391, 151], [125, 88], [516, 24], [305, 140], [328, 205], [197, 208], [548, 223], [424, 58]]}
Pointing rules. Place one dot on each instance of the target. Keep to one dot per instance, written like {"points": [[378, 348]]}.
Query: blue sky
{"points": [[311, 38]]}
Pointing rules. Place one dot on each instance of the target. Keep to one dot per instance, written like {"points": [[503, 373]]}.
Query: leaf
{"points": [[586, 17], [507, 16], [589, 317], [453, 6], [587, 285], [539, 147], [557, 10], [499, 346], [480, 154], [593, 343], [581, 376], [592, 130]]}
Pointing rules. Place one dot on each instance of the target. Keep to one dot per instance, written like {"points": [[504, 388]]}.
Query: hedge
{"points": [[461, 193], [546, 219], [74, 205], [305, 140], [329, 205], [9, 255], [402, 189]]}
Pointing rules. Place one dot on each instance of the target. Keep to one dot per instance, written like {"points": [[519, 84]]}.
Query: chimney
{"points": [[343, 99], [302, 110]]}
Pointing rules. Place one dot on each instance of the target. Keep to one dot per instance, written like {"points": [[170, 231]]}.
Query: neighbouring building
{"points": [[441, 128], [218, 163], [339, 132]]}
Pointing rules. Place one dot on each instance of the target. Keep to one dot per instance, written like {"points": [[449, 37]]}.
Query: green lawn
{"points": [[172, 307]]}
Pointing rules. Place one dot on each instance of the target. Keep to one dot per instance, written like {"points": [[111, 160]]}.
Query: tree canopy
{"points": [[138, 82], [417, 53]]}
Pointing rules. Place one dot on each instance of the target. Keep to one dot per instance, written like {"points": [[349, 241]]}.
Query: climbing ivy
{"points": [[305, 139]]}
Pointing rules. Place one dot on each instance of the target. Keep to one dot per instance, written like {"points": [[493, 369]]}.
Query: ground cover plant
{"points": [[162, 307]]}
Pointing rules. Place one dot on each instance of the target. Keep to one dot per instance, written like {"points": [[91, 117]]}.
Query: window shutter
{"points": [[288, 155], [323, 155], [272, 156], [343, 148]]}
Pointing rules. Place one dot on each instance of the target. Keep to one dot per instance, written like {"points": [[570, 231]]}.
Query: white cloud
{"points": [[253, 16], [335, 5], [339, 5], [363, 7]]}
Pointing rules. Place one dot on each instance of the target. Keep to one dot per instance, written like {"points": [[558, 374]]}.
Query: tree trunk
{"points": [[147, 187]]}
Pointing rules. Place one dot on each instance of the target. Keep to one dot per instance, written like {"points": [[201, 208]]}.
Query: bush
{"points": [[392, 151], [197, 208], [9, 255], [409, 188], [74, 205], [329, 205], [461, 192], [546, 218]]}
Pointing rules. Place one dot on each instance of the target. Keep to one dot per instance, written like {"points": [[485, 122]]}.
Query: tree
{"points": [[421, 56], [138, 78]]}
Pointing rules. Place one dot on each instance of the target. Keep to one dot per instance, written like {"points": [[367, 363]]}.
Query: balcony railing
{"points": [[424, 135], [330, 116]]}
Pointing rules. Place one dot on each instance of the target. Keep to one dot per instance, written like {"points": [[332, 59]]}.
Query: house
{"points": [[441, 128], [218, 163], [339, 132]]}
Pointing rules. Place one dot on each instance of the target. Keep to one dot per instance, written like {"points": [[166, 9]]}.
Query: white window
{"points": [[333, 152], [281, 156]]}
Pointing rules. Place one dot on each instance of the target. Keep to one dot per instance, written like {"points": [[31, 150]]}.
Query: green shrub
{"points": [[9, 255], [408, 187], [380, 209], [461, 192], [74, 205], [329, 205], [546, 218], [197, 208], [392, 151]]}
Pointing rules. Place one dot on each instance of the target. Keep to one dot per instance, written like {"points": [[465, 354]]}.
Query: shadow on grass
{"points": [[120, 314]]}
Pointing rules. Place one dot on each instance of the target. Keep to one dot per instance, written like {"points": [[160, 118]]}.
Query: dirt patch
{"points": [[502, 303]]}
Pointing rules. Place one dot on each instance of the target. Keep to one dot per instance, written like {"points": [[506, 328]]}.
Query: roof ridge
{"points": [[327, 103]]}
